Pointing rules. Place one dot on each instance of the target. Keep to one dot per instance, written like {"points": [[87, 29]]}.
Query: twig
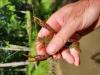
{"points": [[15, 48], [14, 69], [13, 64], [12, 49], [24, 69]]}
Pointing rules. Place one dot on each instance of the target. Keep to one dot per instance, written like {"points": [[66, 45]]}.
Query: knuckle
{"points": [[61, 39]]}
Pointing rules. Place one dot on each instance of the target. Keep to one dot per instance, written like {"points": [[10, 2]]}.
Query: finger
{"points": [[56, 21], [75, 55], [67, 56], [53, 24], [57, 56], [40, 49], [44, 32], [63, 35], [98, 23]]}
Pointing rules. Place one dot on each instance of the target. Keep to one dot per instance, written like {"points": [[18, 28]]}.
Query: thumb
{"points": [[63, 35]]}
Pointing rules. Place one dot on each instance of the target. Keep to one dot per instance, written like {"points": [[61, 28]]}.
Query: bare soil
{"points": [[90, 57]]}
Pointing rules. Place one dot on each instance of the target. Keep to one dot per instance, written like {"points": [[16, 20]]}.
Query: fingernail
{"points": [[76, 63], [51, 49]]}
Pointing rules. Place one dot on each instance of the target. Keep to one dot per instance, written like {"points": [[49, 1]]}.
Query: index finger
{"points": [[51, 26], [46, 32]]}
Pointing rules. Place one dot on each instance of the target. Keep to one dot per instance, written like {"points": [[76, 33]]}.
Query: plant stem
{"points": [[29, 32], [29, 23], [28, 26]]}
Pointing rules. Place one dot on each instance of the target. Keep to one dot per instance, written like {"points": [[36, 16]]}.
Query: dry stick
{"points": [[14, 49], [14, 64], [15, 69], [21, 70]]}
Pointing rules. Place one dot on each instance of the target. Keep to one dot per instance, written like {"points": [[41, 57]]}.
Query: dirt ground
{"points": [[90, 57]]}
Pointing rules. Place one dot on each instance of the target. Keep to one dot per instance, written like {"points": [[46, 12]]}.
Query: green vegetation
{"points": [[17, 28]]}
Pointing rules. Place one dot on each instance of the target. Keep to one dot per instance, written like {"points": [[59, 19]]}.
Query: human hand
{"points": [[66, 21]]}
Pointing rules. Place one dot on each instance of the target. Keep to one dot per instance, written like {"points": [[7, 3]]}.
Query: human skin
{"points": [[66, 21]]}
